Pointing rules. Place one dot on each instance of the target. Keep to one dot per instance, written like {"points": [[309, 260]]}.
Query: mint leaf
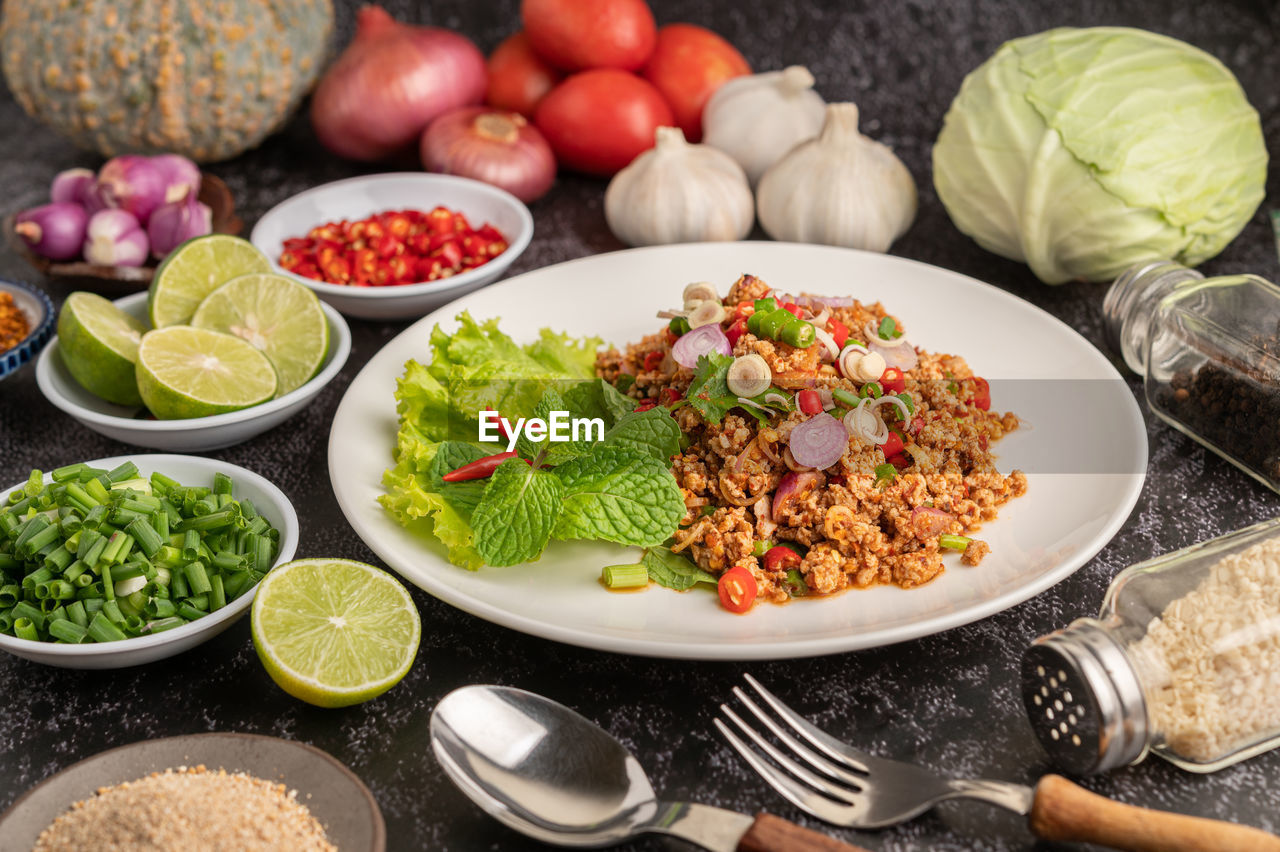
{"points": [[551, 401], [653, 432], [709, 392], [618, 494], [462, 496], [673, 570], [515, 517], [598, 398]]}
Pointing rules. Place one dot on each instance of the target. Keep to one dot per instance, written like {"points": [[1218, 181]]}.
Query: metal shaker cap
{"points": [[1084, 699]]}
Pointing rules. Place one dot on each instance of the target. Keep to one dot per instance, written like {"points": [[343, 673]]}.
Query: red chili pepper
{"points": [[900, 462], [780, 558], [809, 400], [502, 424], [892, 446], [672, 396], [791, 307], [478, 469], [735, 331], [441, 221], [744, 310], [646, 404], [839, 332], [652, 360], [892, 380], [738, 590], [981, 394]]}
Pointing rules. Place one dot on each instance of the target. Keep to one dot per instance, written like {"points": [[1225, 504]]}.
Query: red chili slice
{"points": [[670, 396], [780, 557], [652, 360], [893, 381], [738, 590], [839, 332], [478, 469], [892, 446]]}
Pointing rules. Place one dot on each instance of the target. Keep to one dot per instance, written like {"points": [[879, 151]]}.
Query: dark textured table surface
{"points": [[949, 701]]}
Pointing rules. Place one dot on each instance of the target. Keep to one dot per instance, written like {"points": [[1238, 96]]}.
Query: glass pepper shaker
{"points": [[1208, 350], [1182, 662]]}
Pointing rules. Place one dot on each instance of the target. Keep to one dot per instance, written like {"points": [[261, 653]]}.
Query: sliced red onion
{"points": [[902, 357], [174, 222], [180, 176], [71, 185], [830, 351], [701, 341], [55, 231], [829, 301], [114, 238], [132, 183], [927, 522], [792, 487], [892, 399], [819, 442]]}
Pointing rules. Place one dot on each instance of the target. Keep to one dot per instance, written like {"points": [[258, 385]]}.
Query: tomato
{"points": [[574, 35], [518, 78], [781, 557], [981, 394], [892, 380], [688, 64], [900, 462], [892, 445], [599, 121], [809, 400], [735, 331], [839, 332], [737, 590]]}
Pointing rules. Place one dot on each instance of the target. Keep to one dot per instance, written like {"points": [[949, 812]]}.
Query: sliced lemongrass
{"points": [[702, 291], [672, 314], [749, 375], [751, 403], [830, 351], [706, 313], [894, 400]]}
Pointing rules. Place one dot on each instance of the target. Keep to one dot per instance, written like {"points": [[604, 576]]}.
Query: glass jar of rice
{"points": [[1183, 661]]}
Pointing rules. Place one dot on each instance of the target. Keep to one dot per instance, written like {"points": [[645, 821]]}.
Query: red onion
{"points": [[827, 301], [927, 522], [133, 183], [71, 185], [819, 442], [55, 231], [902, 357], [114, 238], [703, 340], [791, 487], [175, 222], [495, 146], [180, 176], [390, 82]]}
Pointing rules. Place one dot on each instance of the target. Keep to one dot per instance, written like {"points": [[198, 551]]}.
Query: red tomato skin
{"points": [[575, 35], [599, 121], [518, 78], [688, 64]]}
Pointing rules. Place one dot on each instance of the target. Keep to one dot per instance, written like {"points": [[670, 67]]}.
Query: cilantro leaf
{"points": [[709, 392], [618, 494], [673, 570], [654, 432], [514, 520]]}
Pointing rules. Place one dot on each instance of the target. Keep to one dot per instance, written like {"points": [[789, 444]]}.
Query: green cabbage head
{"points": [[1083, 151]]}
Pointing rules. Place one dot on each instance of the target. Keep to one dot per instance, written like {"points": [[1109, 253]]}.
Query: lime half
{"points": [[99, 344], [194, 270], [334, 632], [188, 372], [277, 315]]}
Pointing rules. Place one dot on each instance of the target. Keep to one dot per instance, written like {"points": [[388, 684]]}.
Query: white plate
{"points": [[1085, 452]]}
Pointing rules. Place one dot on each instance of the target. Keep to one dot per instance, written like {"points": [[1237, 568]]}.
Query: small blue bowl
{"points": [[39, 313]]}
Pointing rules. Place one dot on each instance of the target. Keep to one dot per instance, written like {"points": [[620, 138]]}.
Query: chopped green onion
{"points": [[77, 612], [197, 578], [102, 630], [761, 547], [888, 329], [843, 397], [25, 628], [870, 390], [67, 631], [885, 473], [795, 584], [906, 398], [149, 541], [954, 542], [163, 624], [629, 576]]}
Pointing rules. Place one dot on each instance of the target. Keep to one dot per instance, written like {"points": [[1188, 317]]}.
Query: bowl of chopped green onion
{"points": [[127, 560]]}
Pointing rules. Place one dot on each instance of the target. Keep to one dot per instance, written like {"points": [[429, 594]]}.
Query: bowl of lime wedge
{"points": [[217, 351]]}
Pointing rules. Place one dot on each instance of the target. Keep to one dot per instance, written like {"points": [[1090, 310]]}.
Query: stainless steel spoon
{"points": [[542, 769]]}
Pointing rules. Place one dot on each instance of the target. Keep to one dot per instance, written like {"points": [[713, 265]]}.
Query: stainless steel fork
{"points": [[846, 786]]}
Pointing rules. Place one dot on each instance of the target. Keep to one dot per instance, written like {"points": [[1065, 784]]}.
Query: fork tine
{"points": [[833, 748], [802, 751], [787, 787], [816, 782]]}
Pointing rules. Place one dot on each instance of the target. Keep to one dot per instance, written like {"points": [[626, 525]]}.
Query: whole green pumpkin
{"points": [[204, 78]]}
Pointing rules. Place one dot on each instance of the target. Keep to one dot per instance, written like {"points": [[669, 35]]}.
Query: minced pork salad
{"points": [[772, 446], [825, 450]]}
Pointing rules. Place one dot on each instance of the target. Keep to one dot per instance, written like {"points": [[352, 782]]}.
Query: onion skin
{"points": [[819, 442], [180, 176], [389, 83], [71, 185], [792, 487], [132, 183], [114, 238], [700, 341], [175, 222], [55, 231], [495, 146]]}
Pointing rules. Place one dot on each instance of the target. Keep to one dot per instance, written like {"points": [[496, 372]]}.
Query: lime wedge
{"points": [[277, 315], [99, 344], [194, 372], [194, 270], [334, 632]]}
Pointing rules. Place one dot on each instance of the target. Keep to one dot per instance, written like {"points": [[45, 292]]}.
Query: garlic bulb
{"points": [[758, 119], [679, 193], [841, 189]]}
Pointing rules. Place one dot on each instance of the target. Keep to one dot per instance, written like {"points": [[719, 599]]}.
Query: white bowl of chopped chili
{"points": [[268, 501], [26, 324], [395, 246], [136, 426]]}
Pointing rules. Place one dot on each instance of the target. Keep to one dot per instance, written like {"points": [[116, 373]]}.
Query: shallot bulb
{"points": [[175, 222], [181, 176], [390, 82], [71, 185], [114, 238], [55, 231], [495, 146], [132, 183]]}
